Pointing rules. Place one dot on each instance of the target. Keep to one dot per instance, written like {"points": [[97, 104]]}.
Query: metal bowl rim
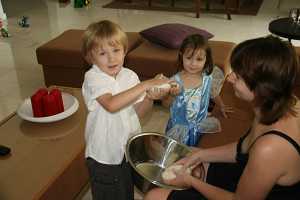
{"points": [[132, 165]]}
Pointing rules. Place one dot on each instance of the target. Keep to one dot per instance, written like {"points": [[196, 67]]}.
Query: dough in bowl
{"points": [[170, 172]]}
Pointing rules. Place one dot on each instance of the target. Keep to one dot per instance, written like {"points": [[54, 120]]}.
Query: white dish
{"points": [[70, 106]]}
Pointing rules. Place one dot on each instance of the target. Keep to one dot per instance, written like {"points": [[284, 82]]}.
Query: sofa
{"points": [[63, 63]]}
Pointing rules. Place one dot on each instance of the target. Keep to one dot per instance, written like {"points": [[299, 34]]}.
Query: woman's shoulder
{"points": [[277, 156], [277, 142]]}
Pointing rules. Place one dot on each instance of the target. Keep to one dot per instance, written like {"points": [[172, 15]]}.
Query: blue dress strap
{"points": [[178, 80]]}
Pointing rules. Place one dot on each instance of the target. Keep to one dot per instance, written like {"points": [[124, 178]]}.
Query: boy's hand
{"points": [[156, 87], [157, 94], [160, 76]]}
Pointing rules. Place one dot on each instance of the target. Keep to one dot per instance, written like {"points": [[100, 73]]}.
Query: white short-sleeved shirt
{"points": [[106, 133]]}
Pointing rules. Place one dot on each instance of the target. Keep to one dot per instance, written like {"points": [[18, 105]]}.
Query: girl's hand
{"points": [[226, 109]]}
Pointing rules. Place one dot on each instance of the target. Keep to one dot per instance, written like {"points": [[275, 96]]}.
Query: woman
{"points": [[265, 162]]}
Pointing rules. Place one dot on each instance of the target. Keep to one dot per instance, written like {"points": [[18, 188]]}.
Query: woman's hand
{"points": [[193, 162], [192, 159], [182, 180]]}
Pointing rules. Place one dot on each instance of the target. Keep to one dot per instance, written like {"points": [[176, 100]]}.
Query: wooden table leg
{"points": [[197, 2], [228, 3], [173, 3]]}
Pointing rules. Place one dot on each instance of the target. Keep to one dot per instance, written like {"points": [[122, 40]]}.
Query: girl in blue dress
{"points": [[198, 82]]}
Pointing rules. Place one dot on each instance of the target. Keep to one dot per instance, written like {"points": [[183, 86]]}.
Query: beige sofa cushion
{"points": [[233, 127], [150, 59], [221, 51]]}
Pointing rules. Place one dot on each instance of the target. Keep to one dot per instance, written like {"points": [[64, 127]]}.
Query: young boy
{"points": [[114, 97]]}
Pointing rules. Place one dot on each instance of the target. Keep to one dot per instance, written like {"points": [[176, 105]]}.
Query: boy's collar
{"points": [[97, 69]]}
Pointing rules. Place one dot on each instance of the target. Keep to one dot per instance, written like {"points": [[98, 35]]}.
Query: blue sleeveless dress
{"points": [[188, 109]]}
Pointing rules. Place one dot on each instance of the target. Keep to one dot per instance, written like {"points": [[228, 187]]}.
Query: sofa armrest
{"points": [[221, 51], [235, 125]]}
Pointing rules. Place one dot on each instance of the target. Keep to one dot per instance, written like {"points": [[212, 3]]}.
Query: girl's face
{"points": [[241, 90], [194, 60], [108, 57]]}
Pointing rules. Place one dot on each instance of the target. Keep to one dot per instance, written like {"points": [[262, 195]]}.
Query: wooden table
{"points": [[47, 160]]}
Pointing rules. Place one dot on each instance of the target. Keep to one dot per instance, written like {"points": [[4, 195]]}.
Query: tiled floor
{"points": [[20, 74]]}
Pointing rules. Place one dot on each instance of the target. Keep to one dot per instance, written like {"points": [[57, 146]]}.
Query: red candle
{"points": [[58, 98], [50, 105], [36, 102]]}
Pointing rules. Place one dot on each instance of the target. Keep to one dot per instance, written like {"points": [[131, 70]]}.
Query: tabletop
{"points": [[37, 160], [285, 27]]}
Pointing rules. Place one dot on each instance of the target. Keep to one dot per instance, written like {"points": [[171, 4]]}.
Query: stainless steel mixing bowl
{"points": [[149, 154]]}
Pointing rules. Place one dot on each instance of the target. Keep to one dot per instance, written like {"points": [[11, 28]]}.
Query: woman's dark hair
{"points": [[269, 67], [196, 42]]}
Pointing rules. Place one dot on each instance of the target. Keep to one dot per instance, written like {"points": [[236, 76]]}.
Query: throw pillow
{"points": [[172, 35]]}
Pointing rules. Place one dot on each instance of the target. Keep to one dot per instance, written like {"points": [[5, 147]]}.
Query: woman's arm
{"points": [[209, 191], [268, 163], [255, 183], [224, 153], [264, 169]]}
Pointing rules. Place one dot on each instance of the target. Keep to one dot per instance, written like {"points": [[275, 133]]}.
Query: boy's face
{"points": [[109, 58]]}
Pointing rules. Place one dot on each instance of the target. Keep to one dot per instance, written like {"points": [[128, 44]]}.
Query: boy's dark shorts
{"points": [[110, 182]]}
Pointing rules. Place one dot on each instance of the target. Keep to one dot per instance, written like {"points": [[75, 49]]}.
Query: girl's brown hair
{"points": [[269, 67], [102, 31], [196, 42]]}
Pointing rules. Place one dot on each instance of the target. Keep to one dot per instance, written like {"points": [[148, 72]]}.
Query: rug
{"points": [[247, 7]]}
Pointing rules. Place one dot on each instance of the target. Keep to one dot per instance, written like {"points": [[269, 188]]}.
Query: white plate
{"points": [[70, 106]]}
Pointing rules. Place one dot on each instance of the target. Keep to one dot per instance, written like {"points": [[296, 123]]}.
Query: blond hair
{"points": [[103, 31]]}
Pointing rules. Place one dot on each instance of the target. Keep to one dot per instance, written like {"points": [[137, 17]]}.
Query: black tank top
{"points": [[278, 192]]}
